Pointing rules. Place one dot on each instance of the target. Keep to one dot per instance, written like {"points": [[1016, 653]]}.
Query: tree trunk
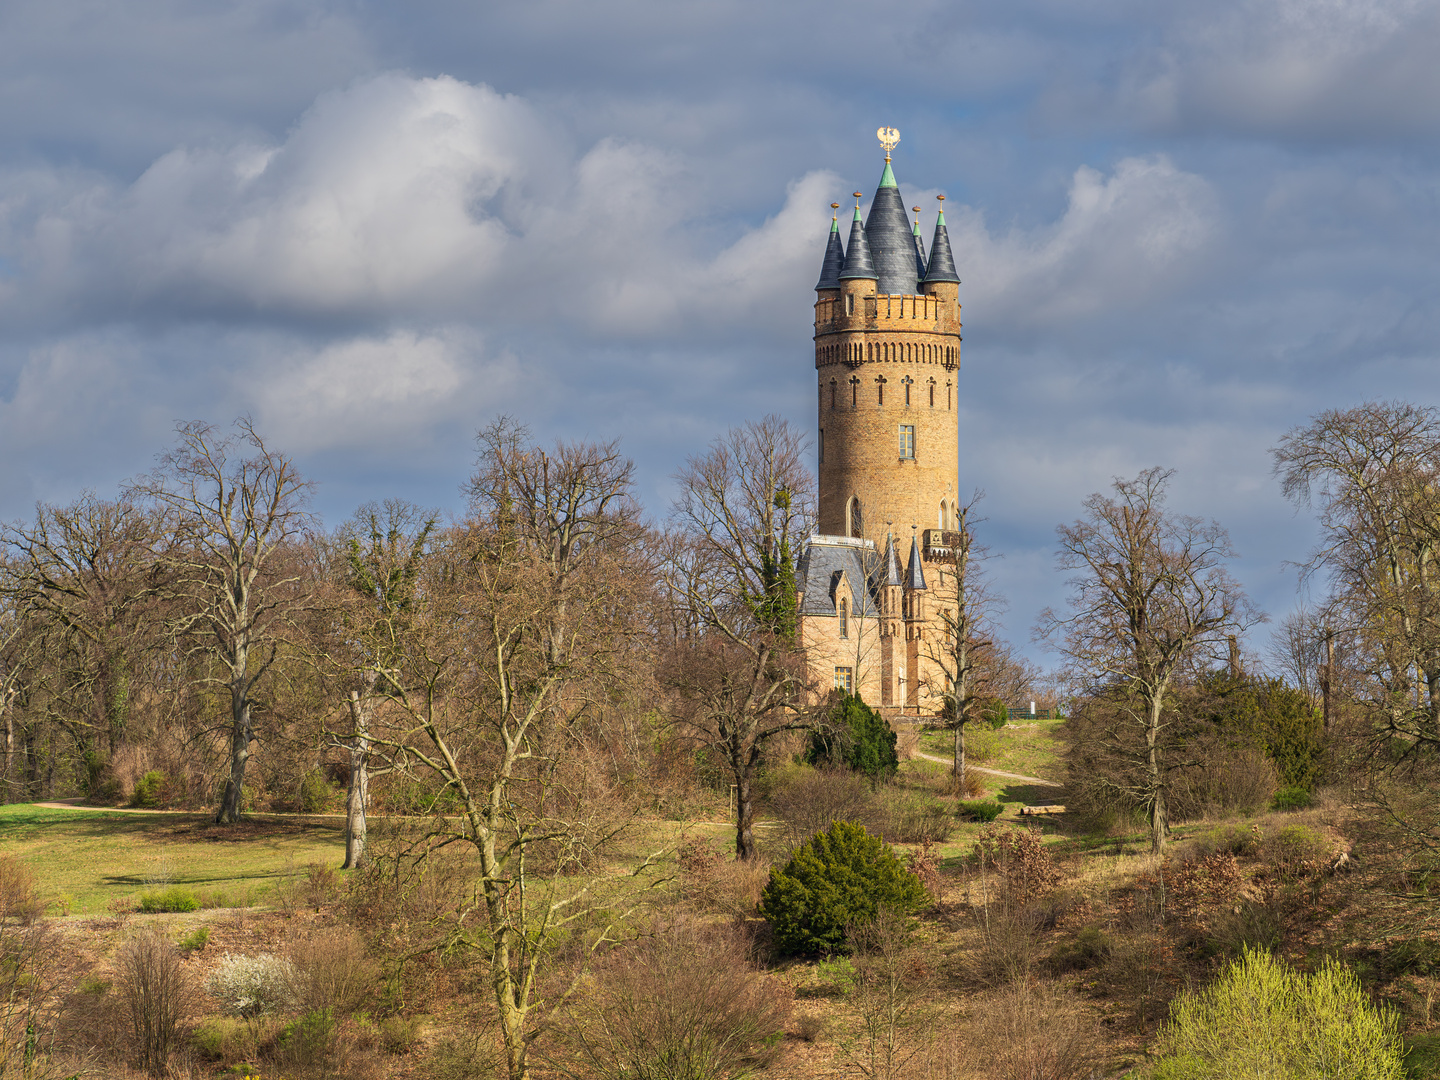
{"points": [[960, 754], [357, 797], [5, 700], [745, 814], [1326, 674], [1159, 824], [240, 737]]}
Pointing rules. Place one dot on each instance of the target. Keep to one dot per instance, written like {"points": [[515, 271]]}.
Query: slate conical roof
{"points": [[834, 260], [892, 246], [915, 575], [942, 263], [891, 570], [857, 253], [919, 252]]}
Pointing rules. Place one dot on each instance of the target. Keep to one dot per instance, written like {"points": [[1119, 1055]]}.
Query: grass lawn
{"points": [[1029, 749], [86, 858]]}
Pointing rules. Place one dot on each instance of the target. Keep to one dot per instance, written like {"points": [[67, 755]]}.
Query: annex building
{"points": [[887, 358]]}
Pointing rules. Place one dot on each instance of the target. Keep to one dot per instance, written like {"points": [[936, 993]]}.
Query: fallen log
{"points": [[1028, 810]]}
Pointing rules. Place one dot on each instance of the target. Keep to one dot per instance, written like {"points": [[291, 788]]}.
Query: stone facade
{"points": [[888, 445]]}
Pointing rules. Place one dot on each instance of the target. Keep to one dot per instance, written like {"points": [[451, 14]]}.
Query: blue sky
{"points": [[1182, 229]]}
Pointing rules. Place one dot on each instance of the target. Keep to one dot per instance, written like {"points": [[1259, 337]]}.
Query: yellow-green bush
{"points": [[1262, 1018]]}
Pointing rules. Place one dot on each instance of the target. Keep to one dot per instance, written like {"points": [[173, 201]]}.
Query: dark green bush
{"points": [[1290, 798], [175, 898], [150, 790], [837, 878], [984, 810], [995, 713], [857, 737]]}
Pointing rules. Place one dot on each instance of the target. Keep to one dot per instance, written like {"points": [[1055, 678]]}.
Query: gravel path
{"points": [[989, 772]]}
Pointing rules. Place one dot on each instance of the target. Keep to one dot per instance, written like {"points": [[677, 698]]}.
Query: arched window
{"points": [[844, 618], [907, 380], [854, 519], [822, 446], [944, 516], [947, 394], [932, 393], [832, 393], [880, 389], [854, 391]]}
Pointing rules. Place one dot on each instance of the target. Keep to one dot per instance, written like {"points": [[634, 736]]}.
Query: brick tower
{"points": [[887, 354]]}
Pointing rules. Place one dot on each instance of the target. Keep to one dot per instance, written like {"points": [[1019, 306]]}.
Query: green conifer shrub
{"points": [[837, 878], [857, 737]]}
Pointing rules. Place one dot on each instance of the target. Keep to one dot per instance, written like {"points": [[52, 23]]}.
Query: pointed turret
{"points": [[857, 253], [919, 247], [942, 263], [834, 259], [892, 246], [892, 563], [915, 575]]}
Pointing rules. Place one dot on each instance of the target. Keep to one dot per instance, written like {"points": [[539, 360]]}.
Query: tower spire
{"points": [[919, 247], [857, 252], [887, 231], [942, 263], [834, 255]]}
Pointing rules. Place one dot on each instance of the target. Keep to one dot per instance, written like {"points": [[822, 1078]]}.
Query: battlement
{"points": [[902, 314]]}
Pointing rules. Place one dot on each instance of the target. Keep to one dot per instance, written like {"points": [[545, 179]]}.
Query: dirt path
{"points": [[989, 772]]}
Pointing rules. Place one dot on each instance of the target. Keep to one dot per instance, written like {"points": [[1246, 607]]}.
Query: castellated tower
{"points": [[887, 353], [887, 357]]}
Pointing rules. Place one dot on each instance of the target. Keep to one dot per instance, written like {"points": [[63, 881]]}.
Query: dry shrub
{"points": [[19, 895], [889, 998], [335, 971], [817, 798], [29, 958], [924, 865], [1143, 972], [1036, 1031], [1008, 950], [913, 818], [153, 995], [685, 1000], [1199, 886], [718, 882], [1235, 779], [907, 744], [1022, 861], [945, 1056]]}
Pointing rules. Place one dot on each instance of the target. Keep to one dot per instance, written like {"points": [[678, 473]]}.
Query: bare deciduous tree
{"points": [[1151, 596], [233, 516], [516, 630], [960, 651], [738, 680], [384, 552]]}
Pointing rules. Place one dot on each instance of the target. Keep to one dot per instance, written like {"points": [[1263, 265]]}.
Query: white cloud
{"points": [[1315, 69], [1123, 240], [371, 391], [403, 197]]}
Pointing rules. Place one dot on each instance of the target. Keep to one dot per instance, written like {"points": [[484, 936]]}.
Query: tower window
{"points": [[822, 446], [832, 393], [854, 391], [845, 680], [907, 440], [907, 381], [880, 388], [844, 618], [947, 395], [932, 393], [850, 304], [855, 524]]}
